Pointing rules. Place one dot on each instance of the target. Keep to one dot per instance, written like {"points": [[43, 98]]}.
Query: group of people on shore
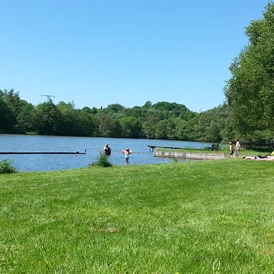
{"points": [[237, 148], [269, 156], [126, 152]]}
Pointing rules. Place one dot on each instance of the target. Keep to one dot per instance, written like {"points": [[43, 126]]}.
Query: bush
{"points": [[102, 160], [6, 167]]}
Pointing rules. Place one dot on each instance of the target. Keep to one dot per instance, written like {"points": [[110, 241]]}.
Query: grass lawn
{"points": [[184, 217]]}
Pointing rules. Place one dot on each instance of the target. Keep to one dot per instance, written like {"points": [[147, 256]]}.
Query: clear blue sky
{"points": [[101, 52]]}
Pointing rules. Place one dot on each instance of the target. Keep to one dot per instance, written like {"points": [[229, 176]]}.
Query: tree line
{"points": [[247, 113], [162, 120]]}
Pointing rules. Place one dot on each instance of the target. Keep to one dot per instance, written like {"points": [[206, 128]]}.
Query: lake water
{"points": [[45, 162]]}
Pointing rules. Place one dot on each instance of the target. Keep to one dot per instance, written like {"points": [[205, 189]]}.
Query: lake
{"points": [[46, 162]]}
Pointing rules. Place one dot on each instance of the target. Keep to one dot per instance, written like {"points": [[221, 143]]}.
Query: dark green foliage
{"points": [[5, 116], [6, 167], [131, 127], [163, 120], [9, 109], [102, 161], [25, 117], [47, 118], [250, 90], [108, 125]]}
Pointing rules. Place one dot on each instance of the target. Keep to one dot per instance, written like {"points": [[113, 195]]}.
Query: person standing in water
{"points": [[127, 152], [107, 149]]}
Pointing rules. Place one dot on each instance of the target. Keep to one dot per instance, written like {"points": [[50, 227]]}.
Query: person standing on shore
{"points": [[231, 148], [237, 147]]}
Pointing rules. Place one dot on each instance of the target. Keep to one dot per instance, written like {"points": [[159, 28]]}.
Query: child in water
{"points": [[127, 152]]}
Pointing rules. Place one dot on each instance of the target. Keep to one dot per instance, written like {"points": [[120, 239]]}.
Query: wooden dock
{"points": [[168, 147], [41, 152]]}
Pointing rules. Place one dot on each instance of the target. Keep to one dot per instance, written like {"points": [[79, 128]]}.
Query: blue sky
{"points": [[101, 52]]}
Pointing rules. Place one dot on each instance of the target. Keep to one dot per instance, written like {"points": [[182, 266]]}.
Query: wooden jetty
{"points": [[41, 152], [168, 147], [190, 155], [212, 147]]}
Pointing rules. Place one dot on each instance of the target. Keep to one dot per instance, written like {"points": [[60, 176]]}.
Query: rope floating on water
{"points": [[41, 152]]}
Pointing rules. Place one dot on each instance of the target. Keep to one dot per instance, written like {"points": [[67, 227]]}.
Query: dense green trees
{"points": [[47, 119], [250, 90], [16, 115], [131, 127], [162, 120], [5, 115]]}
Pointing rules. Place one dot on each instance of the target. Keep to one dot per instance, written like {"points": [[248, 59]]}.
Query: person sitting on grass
{"points": [[267, 157]]}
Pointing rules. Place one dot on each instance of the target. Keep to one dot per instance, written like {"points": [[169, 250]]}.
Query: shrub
{"points": [[6, 167], [102, 160]]}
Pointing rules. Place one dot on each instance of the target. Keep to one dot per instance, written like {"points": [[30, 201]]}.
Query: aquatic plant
{"points": [[6, 167], [102, 161]]}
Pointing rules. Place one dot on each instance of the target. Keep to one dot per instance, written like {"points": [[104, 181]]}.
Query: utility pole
{"points": [[48, 96]]}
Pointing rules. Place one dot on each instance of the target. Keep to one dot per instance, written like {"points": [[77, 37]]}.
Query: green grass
{"points": [[191, 217]]}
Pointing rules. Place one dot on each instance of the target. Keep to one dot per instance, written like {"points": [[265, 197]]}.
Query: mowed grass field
{"points": [[190, 217]]}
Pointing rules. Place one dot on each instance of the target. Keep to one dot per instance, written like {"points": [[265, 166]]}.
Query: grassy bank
{"points": [[191, 217]]}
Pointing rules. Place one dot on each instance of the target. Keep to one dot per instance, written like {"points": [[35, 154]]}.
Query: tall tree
{"points": [[149, 127], [12, 100], [5, 114], [131, 127], [250, 90], [161, 129], [25, 117], [47, 118], [108, 126]]}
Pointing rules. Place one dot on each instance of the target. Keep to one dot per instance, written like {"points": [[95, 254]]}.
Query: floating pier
{"points": [[41, 152], [190, 155], [169, 147]]}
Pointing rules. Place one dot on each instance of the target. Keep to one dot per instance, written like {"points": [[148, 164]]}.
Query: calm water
{"points": [[40, 162]]}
